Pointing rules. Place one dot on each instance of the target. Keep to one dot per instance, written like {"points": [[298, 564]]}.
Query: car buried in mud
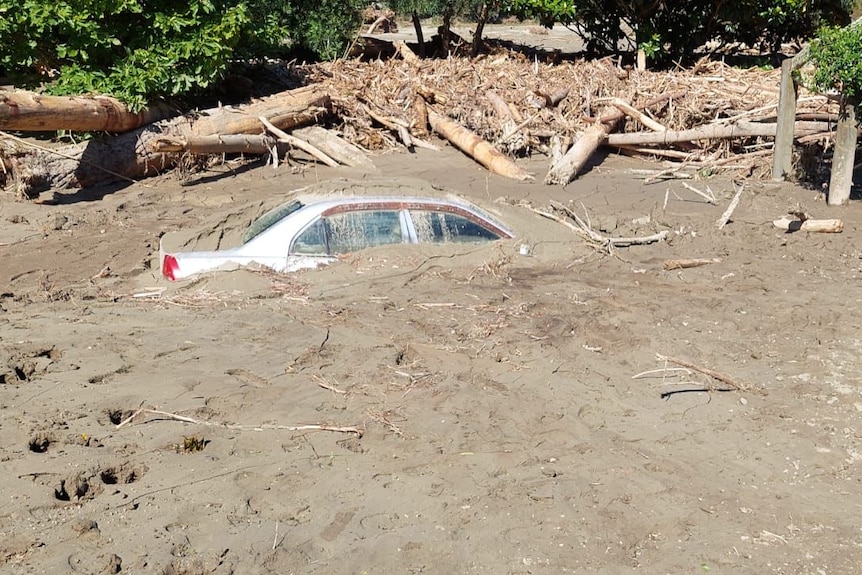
{"points": [[305, 234]]}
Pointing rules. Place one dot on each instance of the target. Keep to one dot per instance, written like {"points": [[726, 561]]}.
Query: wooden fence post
{"points": [[843, 158], [782, 156]]}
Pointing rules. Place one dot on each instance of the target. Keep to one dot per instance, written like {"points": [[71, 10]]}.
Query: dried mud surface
{"points": [[504, 429]]}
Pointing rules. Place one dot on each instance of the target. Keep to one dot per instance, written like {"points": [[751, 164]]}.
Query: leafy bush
{"points": [[837, 54], [140, 50], [673, 31]]}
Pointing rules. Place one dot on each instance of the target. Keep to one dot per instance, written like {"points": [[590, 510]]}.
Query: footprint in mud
{"points": [[22, 363], [85, 485]]}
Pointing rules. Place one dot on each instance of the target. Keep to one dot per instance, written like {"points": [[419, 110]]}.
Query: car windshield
{"points": [[270, 218]]}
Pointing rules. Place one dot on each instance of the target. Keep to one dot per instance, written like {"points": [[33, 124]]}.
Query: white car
{"points": [[300, 235]]}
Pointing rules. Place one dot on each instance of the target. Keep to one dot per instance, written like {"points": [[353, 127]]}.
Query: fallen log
{"points": [[25, 111], [129, 156], [831, 226], [579, 154], [216, 144], [477, 148], [712, 132]]}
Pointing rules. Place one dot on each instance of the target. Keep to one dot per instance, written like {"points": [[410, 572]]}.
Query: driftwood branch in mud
{"points": [[477, 148], [689, 263], [830, 226], [582, 229], [358, 431], [129, 155], [732, 382], [712, 132], [728, 213], [25, 111]]}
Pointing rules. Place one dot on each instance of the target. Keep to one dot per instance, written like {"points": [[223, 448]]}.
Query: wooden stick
{"points": [[822, 226], [725, 217], [297, 143], [708, 197], [717, 375], [689, 263], [634, 113], [309, 427], [326, 385]]}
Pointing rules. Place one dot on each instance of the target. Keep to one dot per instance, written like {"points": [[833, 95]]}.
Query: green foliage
{"points": [[140, 50], [547, 12], [324, 26], [837, 53], [672, 31]]}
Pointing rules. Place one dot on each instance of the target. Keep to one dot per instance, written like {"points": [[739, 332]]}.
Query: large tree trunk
{"points": [[417, 25], [480, 30], [129, 157], [30, 112], [713, 132], [477, 148]]}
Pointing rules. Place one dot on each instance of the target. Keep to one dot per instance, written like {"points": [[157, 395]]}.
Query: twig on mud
{"points": [[733, 383], [585, 231], [708, 195], [319, 380], [308, 427], [725, 217]]}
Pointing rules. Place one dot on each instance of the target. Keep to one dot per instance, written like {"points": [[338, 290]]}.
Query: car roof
{"points": [[314, 206]]}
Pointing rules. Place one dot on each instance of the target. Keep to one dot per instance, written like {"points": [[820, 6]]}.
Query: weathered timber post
{"points": [[782, 158], [841, 177]]}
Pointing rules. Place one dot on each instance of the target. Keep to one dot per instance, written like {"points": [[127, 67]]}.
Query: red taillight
{"points": [[170, 267]]}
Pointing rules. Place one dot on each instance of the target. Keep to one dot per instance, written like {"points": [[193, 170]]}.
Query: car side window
{"points": [[351, 231], [311, 241], [442, 227]]}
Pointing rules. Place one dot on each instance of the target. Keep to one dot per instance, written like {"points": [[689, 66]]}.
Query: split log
{"points": [[30, 112], [823, 226], [712, 132], [579, 154], [129, 155], [477, 148], [217, 144], [334, 146]]}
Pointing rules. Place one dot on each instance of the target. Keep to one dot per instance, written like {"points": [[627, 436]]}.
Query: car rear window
{"points": [[269, 219]]}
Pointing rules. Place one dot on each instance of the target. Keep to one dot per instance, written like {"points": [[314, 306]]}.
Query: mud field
{"points": [[517, 416]]}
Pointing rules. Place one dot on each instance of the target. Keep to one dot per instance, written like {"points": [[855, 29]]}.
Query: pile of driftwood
{"points": [[710, 118], [496, 108]]}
